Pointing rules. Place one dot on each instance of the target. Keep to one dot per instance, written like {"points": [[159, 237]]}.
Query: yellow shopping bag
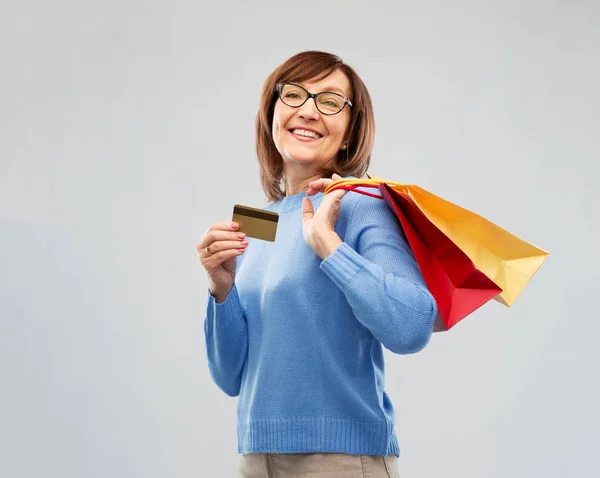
{"points": [[507, 260]]}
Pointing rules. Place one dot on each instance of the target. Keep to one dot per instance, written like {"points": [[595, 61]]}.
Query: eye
{"points": [[330, 100]]}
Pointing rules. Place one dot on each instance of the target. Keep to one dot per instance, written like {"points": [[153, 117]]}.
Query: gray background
{"points": [[126, 129]]}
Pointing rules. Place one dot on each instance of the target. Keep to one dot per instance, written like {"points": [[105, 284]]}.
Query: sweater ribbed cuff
{"points": [[343, 264], [231, 307], [232, 299]]}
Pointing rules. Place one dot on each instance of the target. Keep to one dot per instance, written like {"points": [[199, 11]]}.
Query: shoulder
{"points": [[366, 210], [353, 200], [372, 222]]}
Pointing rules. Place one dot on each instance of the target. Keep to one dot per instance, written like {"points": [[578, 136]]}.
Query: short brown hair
{"points": [[304, 66]]}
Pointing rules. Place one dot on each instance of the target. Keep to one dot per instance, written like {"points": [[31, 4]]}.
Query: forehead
{"points": [[336, 81]]}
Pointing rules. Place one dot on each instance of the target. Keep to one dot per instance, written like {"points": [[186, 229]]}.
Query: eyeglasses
{"points": [[327, 102]]}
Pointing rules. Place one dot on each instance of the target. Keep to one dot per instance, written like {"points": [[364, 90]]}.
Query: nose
{"points": [[309, 109]]}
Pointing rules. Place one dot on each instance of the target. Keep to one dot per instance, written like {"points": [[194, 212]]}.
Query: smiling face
{"points": [[294, 128]]}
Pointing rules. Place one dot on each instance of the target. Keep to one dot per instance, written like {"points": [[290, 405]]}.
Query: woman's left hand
{"points": [[318, 228]]}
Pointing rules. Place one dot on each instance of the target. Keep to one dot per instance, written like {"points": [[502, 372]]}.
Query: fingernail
{"points": [[241, 236], [234, 225]]}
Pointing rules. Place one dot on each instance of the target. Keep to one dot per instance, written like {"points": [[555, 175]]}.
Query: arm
{"points": [[226, 338], [381, 279]]}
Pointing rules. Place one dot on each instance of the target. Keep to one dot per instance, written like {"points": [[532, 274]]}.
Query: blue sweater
{"points": [[299, 339]]}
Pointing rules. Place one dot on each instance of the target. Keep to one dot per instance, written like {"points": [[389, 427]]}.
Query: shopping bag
{"points": [[507, 260], [451, 277]]}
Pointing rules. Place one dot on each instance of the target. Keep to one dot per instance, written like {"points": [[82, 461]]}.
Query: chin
{"points": [[299, 158]]}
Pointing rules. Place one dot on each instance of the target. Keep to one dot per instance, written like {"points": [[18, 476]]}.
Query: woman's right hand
{"points": [[224, 245]]}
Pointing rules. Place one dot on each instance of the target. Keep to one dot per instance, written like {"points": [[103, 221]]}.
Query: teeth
{"points": [[303, 132]]}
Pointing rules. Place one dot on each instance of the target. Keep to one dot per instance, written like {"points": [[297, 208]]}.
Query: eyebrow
{"points": [[333, 88]]}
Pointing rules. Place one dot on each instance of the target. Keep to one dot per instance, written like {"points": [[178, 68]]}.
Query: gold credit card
{"points": [[257, 223]]}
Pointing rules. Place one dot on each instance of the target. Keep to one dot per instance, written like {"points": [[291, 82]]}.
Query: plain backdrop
{"points": [[127, 128]]}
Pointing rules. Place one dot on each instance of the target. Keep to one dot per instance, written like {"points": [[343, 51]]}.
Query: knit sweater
{"points": [[300, 339]]}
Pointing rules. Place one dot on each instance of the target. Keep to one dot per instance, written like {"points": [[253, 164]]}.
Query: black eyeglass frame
{"points": [[310, 95]]}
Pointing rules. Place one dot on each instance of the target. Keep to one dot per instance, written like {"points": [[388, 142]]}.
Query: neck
{"points": [[298, 185], [297, 177]]}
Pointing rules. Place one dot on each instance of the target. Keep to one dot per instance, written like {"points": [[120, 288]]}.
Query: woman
{"points": [[297, 331]]}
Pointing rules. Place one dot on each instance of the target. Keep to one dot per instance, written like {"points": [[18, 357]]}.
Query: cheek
{"points": [[337, 130], [278, 124]]}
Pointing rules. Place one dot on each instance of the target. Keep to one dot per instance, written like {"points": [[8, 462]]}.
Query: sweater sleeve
{"points": [[226, 337], [381, 280]]}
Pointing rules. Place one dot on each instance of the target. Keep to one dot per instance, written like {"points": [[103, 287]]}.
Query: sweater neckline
{"points": [[293, 202]]}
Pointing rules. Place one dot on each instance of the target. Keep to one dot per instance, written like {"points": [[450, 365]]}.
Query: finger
{"points": [[340, 193], [318, 185], [307, 210], [336, 177], [215, 260], [313, 187], [218, 232], [213, 237], [223, 226], [337, 194], [219, 250], [219, 246]]}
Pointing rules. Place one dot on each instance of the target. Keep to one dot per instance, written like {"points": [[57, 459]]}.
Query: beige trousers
{"points": [[317, 465]]}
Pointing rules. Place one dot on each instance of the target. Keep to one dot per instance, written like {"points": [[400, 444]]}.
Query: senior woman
{"points": [[296, 327]]}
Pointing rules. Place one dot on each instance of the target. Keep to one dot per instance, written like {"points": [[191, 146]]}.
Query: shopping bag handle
{"points": [[371, 182], [354, 187]]}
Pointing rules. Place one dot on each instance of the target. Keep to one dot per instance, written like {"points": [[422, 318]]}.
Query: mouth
{"points": [[305, 134]]}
